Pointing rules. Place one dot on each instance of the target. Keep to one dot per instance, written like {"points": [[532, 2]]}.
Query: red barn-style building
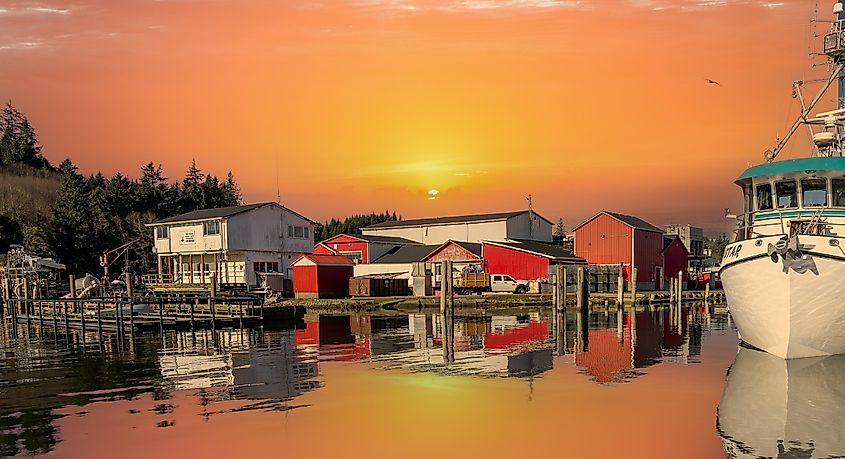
{"points": [[360, 248], [526, 260], [675, 257], [611, 238], [322, 276]]}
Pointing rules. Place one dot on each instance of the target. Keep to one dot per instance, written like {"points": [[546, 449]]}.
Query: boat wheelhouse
{"points": [[798, 196]]}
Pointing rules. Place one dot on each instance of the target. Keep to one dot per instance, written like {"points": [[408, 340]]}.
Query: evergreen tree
{"points": [[72, 223], [18, 141], [560, 229]]}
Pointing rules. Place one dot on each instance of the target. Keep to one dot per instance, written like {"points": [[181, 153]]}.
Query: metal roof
{"points": [[220, 212], [325, 260], [553, 251], [831, 163], [633, 222], [376, 239], [451, 220], [406, 254]]}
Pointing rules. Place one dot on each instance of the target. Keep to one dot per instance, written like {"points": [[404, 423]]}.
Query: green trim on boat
{"points": [[830, 163]]}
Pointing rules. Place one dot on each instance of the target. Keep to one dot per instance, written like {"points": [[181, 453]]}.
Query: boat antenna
{"points": [[829, 141]]}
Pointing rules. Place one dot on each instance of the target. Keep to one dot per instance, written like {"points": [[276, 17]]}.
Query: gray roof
{"points": [[452, 219], [384, 239], [473, 247], [635, 222], [553, 251], [220, 212], [406, 254], [217, 212]]}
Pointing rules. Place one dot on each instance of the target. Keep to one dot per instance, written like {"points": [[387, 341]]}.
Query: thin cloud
{"points": [[21, 46], [456, 6], [33, 10]]}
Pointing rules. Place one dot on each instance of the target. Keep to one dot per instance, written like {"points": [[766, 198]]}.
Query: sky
{"points": [[352, 106]]}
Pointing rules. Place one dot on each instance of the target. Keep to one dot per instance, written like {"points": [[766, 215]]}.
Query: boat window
{"points": [[814, 192], [764, 197], [787, 193], [838, 188]]}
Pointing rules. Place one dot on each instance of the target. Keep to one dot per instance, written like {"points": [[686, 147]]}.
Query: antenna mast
{"points": [[829, 141]]}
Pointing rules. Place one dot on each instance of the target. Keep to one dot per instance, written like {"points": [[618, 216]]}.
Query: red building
{"points": [[322, 276], [526, 260], [359, 248], [611, 238], [675, 257]]}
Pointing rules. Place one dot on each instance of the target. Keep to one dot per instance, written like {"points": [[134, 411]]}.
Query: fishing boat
{"points": [[784, 271]]}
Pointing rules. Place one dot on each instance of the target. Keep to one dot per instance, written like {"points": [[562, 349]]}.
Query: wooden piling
{"points": [[634, 285], [671, 290], [161, 316], [443, 289], [72, 281], [99, 319], [193, 304], [620, 287], [680, 285], [582, 289]]}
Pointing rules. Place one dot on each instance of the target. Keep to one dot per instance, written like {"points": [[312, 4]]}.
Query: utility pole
{"points": [[530, 216]]}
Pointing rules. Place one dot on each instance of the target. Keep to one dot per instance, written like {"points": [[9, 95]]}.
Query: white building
{"points": [[233, 243], [522, 225]]}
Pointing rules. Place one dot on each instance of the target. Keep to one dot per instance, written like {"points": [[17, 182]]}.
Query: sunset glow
{"points": [[584, 104]]}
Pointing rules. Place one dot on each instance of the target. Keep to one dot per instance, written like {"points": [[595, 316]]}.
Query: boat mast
{"points": [[829, 141]]}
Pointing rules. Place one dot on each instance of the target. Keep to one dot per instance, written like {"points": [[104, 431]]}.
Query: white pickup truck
{"points": [[483, 282]]}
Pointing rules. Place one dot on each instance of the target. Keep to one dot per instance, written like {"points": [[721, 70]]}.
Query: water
{"points": [[610, 384]]}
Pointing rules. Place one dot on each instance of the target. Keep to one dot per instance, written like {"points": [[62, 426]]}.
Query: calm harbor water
{"points": [[650, 383]]}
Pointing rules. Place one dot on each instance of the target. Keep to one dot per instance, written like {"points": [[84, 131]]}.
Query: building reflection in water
{"points": [[783, 408], [270, 369]]}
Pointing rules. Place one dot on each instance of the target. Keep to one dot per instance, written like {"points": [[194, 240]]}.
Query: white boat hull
{"points": [[787, 312]]}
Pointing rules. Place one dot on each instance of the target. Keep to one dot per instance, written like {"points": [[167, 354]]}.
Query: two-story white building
{"points": [[234, 244], [518, 225]]}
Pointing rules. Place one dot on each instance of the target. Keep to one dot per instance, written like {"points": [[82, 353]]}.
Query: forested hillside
{"points": [[56, 211]]}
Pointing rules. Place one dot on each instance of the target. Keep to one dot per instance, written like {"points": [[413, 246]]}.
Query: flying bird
{"points": [[712, 82]]}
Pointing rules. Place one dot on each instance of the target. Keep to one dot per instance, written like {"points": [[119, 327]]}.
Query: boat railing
{"points": [[748, 223]]}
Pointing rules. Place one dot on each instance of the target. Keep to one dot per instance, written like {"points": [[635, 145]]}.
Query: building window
{"points": [[814, 192], [764, 197], [354, 256], [298, 231], [787, 192], [265, 266], [210, 228], [161, 232]]}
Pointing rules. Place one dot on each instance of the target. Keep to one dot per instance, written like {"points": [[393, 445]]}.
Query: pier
{"points": [[145, 313]]}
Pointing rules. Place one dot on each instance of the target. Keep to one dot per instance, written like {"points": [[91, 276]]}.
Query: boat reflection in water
{"points": [[783, 408]]}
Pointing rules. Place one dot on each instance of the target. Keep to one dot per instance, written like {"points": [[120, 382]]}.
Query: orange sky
{"points": [[367, 104]]}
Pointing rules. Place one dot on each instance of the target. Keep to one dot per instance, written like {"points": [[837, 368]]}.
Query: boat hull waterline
{"points": [[789, 310]]}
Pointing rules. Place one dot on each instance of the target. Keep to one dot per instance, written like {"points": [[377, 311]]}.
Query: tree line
{"points": [[80, 217], [351, 225]]}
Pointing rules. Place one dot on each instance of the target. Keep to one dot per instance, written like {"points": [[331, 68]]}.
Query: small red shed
{"points": [[611, 238], [322, 276], [675, 257], [525, 260]]}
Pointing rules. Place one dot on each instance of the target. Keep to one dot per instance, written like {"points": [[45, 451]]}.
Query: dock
{"points": [[147, 313]]}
